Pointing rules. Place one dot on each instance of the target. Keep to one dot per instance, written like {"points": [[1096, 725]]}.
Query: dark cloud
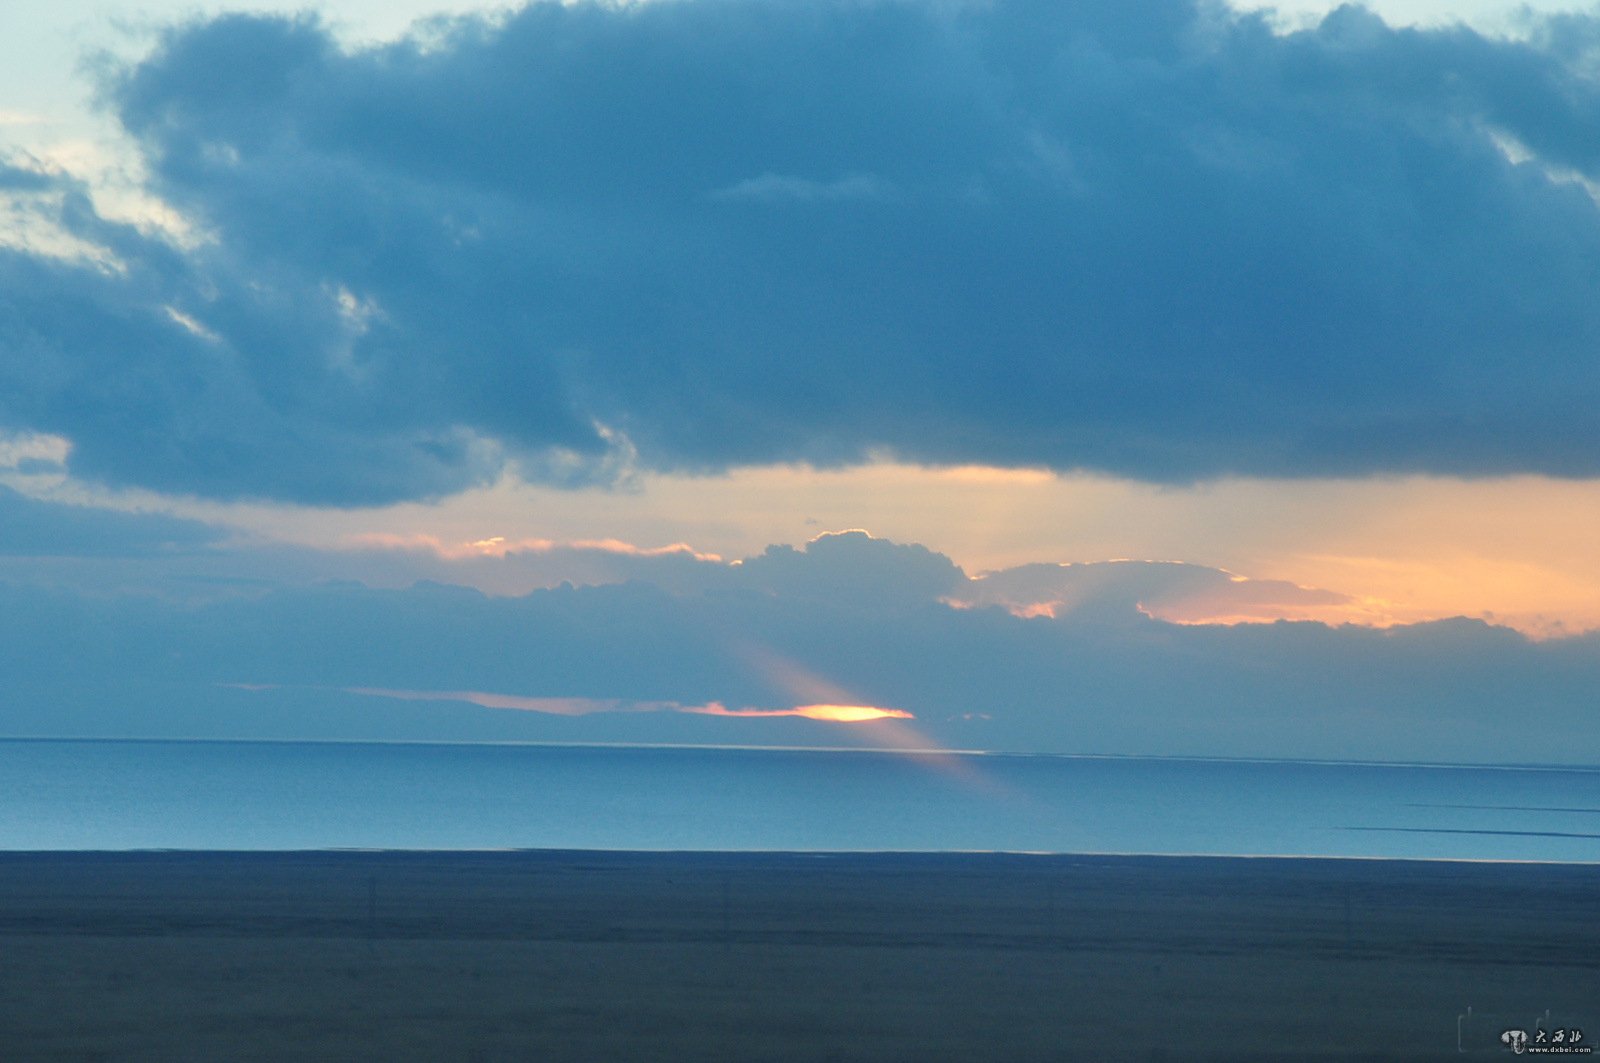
{"points": [[30, 528], [103, 356], [17, 179], [1151, 238]]}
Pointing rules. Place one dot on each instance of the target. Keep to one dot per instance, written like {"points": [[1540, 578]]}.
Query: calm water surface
{"points": [[270, 795]]}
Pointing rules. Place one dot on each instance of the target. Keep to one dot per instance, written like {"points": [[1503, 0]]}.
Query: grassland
{"points": [[599, 957]]}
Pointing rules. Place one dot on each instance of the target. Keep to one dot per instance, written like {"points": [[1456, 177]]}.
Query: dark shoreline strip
{"points": [[1466, 830], [1505, 808]]}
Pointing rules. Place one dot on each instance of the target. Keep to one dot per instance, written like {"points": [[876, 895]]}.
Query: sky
{"points": [[1155, 377]]}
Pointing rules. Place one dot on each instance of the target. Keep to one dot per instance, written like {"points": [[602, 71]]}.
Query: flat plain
{"points": [[599, 956]]}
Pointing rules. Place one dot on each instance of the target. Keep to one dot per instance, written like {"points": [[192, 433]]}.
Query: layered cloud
{"points": [[847, 641], [1169, 590], [856, 569], [1151, 238]]}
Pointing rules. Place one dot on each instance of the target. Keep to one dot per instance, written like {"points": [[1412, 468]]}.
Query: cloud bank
{"points": [[1151, 238], [791, 631]]}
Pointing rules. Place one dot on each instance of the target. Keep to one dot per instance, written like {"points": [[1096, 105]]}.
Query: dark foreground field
{"points": [[597, 957]]}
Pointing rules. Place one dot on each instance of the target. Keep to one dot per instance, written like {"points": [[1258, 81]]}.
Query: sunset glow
{"points": [[850, 713], [1125, 429], [1402, 550], [833, 713]]}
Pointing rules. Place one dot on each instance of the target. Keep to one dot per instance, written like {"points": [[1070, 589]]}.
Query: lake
{"points": [[320, 795]]}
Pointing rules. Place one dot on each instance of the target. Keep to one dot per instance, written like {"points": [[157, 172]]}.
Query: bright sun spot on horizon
{"points": [[831, 713], [850, 713]]}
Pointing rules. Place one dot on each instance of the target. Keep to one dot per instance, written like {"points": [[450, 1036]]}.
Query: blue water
{"points": [[269, 795]]}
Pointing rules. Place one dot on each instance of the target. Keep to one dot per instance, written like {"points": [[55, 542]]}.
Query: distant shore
{"points": [[599, 956]]}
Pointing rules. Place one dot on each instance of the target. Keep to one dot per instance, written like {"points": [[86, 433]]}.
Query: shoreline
{"points": [[712, 854]]}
